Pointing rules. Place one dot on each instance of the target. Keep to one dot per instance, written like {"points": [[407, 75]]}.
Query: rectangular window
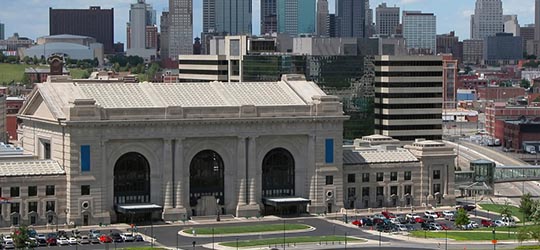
{"points": [[436, 188], [329, 180], [329, 151], [85, 190], [50, 206], [365, 177], [46, 149], [351, 192], [85, 158], [393, 176], [380, 191], [407, 175], [49, 190], [436, 174], [365, 192], [32, 191], [32, 206], [407, 189], [14, 192], [15, 207], [380, 176], [351, 178], [393, 190]]}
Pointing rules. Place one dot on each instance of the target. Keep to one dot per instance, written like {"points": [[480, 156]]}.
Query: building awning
{"points": [[280, 201], [137, 208]]}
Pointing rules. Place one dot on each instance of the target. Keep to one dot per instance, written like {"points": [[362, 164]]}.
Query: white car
{"points": [[498, 223], [72, 241], [8, 244], [84, 240], [508, 221], [448, 213], [127, 237], [7, 237], [431, 214], [62, 241], [412, 216], [402, 228]]}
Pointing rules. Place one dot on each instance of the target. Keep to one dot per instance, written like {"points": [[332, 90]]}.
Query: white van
{"points": [[508, 221]]}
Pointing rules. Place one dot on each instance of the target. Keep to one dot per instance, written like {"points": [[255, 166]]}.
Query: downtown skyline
{"points": [[451, 14]]}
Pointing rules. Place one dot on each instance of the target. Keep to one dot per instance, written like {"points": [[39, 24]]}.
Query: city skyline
{"points": [[446, 20]]}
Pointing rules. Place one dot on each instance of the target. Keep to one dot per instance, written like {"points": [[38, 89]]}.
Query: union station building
{"points": [[132, 151], [105, 152]]}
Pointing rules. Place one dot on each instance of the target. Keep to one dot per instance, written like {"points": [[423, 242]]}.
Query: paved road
{"points": [[498, 156]]}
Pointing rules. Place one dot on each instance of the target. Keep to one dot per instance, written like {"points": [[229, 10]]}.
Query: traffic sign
{"points": [[494, 242]]}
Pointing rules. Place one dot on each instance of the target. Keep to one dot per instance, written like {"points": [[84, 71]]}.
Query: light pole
{"points": [[212, 238], [284, 233], [379, 239], [236, 243], [494, 241], [217, 201], [176, 240], [345, 240], [446, 239]]}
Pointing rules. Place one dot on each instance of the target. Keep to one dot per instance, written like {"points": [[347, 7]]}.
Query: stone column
{"points": [[253, 182], [241, 168], [175, 210], [317, 205], [107, 191], [167, 174]]}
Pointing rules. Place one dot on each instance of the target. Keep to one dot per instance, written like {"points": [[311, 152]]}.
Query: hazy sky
{"points": [[30, 18]]}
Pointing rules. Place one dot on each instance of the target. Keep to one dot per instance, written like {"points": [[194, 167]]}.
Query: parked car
{"points": [[428, 218], [378, 216], [72, 241], [31, 243], [8, 244], [93, 240], [105, 238], [419, 220], [51, 241], [42, 242], [466, 207], [116, 237], [508, 221], [139, 238], [471, 225], [127, 237], [367, 222], [431, 214], [402, 228], [95, 233], [62, 241], [486, 223], [357, 223], [388, 215], [448, 213], [84, 240], [444, 226], [498, 223]]}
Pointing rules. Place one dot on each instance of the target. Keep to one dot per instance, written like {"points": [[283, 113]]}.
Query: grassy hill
{"points": [[11, 72]]}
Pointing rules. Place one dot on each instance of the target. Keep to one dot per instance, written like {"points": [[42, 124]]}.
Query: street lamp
{"points": [[212, 238], [494, 241], [379, 238], [446, 239], [284, 236], [217, 202]]}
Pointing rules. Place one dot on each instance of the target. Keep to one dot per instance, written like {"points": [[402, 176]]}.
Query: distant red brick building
{"points": [[499, 94], [518, 131], [13, 105], [497, 113]]}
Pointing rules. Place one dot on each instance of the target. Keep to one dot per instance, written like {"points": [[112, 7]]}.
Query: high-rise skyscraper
{"points": [[408, 97], [2, 31], [164, 35], [322, 18], [296, 17], [487, 19], [537, 20], [268, 16], [232, 16], [351, 18], [141, 31], [370, 29], [386, 19], [180, 28], [94, 22], [420, 31], [511, 24]]}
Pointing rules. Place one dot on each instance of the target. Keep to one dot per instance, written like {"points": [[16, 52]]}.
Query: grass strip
{"points": [[246, 229], [290, 240], [465, 235]]}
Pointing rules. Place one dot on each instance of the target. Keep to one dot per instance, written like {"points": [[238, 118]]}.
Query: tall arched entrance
{"points": [[132, 188], [207, 184], [278, 174]]}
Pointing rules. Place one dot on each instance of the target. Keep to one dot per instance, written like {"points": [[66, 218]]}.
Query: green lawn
{"points": [[142, 248], [11, 72], [497, 208], [465, 235], [289, 240], [77, 73], [527, 247], [246, 229]]}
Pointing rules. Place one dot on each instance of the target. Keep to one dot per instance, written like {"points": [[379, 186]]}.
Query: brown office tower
{"points": [[94, 22]]}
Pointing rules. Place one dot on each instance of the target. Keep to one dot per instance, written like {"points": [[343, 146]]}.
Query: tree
{"points": [[526, 205], [525, 83], [20, 237], [462, 218], [535, 212]]}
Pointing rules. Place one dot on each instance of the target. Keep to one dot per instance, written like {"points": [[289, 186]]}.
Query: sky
{"points": [[30, 18]]}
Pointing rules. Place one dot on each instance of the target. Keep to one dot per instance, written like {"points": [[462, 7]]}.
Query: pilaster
{"points": [[177, 210], [253, 174]]}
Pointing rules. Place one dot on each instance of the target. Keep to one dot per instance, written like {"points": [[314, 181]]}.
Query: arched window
{"points": [[131, 179], [278, 173], [206, 177]]}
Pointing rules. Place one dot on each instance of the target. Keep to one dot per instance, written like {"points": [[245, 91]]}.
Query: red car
{"points": [[444, 226], [105, 238], [486, 223], [419, 220], [357, 223], [51, 241], [388, 215]]}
